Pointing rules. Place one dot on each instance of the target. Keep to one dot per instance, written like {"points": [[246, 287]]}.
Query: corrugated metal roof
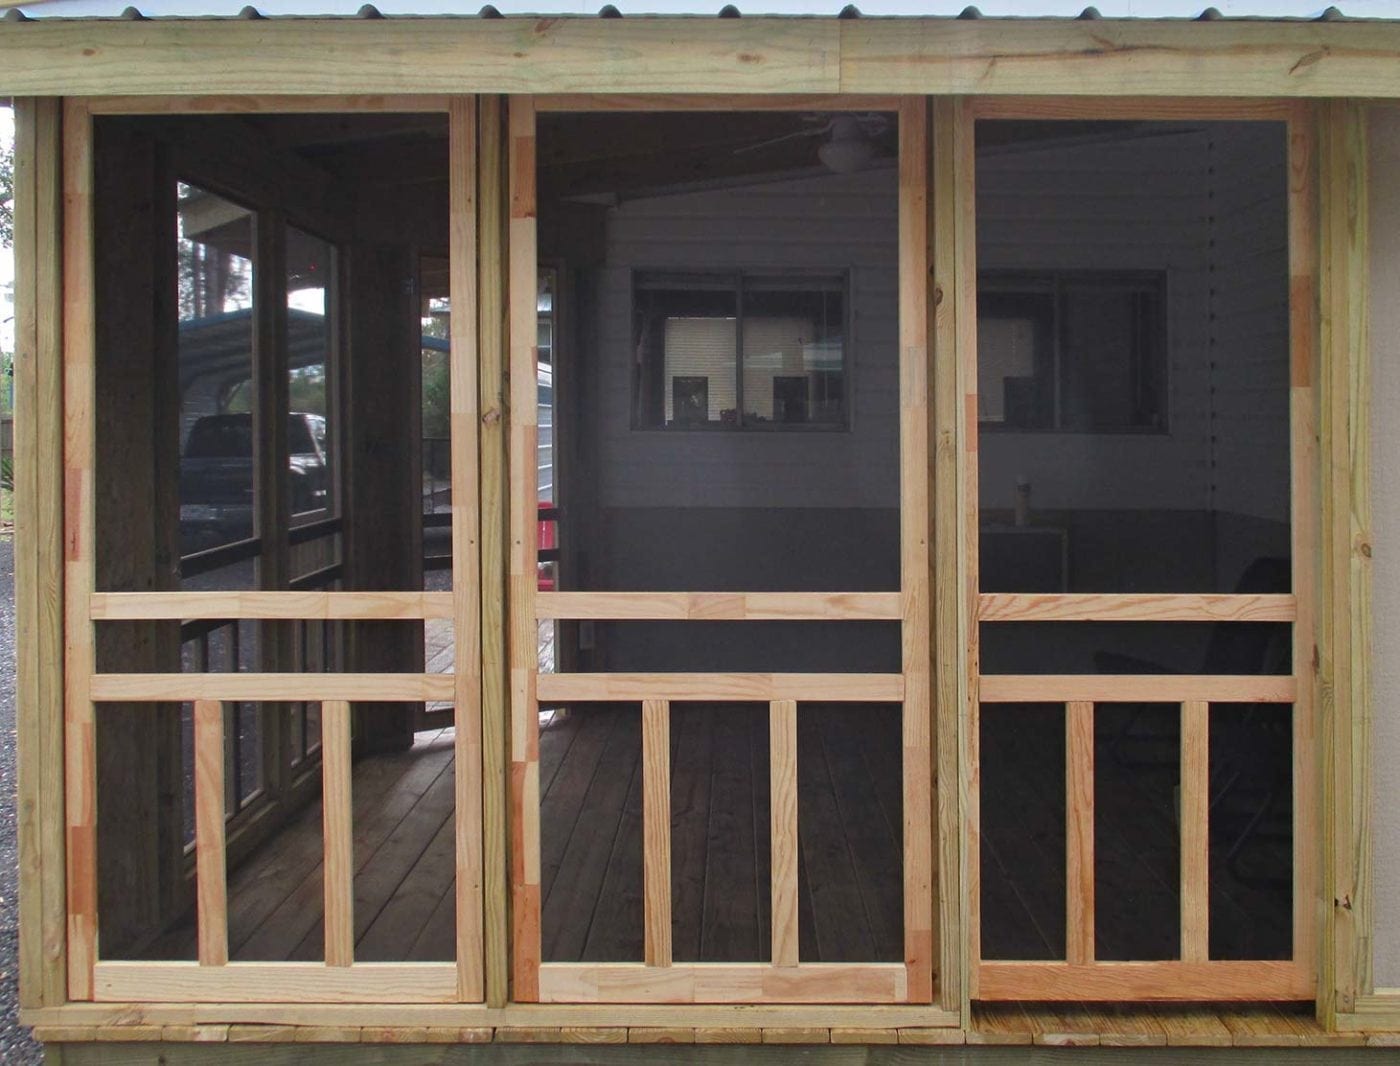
{"points": [[1130, 9]]}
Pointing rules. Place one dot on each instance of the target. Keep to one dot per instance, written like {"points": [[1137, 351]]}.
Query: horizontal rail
{"points": [[1144, 981], [723, 983], [309, 531], [583, 688], [317, 579], [291, 605], [721, 606], [1136, 688], [1095, 607], [388, 688], [211, 559], [575, 102], [274, 982]]}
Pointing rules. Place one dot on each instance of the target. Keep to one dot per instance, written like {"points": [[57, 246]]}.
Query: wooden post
{"points": [[1079, 831], [211, 875], [656, 831], [1195, 831], [495, 707], [338, 832], [38, 470], [783, 842]]}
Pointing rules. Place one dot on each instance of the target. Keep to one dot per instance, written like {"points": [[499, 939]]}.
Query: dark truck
{"points": [[216, 476]]}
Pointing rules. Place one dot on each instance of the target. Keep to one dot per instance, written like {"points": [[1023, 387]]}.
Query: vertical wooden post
{"points": [[39, 468], [1079, 832], [495, 706], [338, 833], [1195, 831], [783, 842], [79, 344], [466, 563], [656, 830], [210, 873], [523, 632], [917, 732], [1344, 618], [948, 581]]}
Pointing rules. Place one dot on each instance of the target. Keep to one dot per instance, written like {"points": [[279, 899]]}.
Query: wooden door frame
{"points": [[1193, 976]]}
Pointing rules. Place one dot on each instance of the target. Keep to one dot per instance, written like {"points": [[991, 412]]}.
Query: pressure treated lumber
{"points": [[1108, 688], [1134, 607], [1079, 831], [244, 686], [720, 606], [656, 831], [1146, 982], [187, 606], [782, 778], [338, 834], [857, 688], [723, 983], [210, 873], [1195, 830], [287, 982]]}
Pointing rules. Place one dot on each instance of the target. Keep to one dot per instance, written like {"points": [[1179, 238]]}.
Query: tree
{"points": [[7, 195]]}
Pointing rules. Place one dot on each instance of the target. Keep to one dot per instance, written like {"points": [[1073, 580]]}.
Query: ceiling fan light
{"points": [[846, 155]]}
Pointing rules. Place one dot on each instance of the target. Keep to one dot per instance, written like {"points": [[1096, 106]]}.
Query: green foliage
{"points": [[7, 474], [7, 195]]}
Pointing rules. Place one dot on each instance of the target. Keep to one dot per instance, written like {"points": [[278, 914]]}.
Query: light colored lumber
{"points": [[157, 688], [79, 531], [495, 705], [38, 548], [675, 1035], [856, 688], [1195, 831], [575, 102], [338, 833], [195, 1034], [1130, 108], [1165, 688], [926, 1037], [266, 104], [728, 1035], [656, 831], [797, 1035], [783, 842], [1079, 832], [1133, 607], [328, 1034], [528, 1034], [720, 606], [751, 55], [593, 1034], [1149, 982], [949, 581], [115, 606], [841, 1035], [522, 505], [1193, 1027], [275, 982], [463, 403], [914, 536], [211, 878], [738, 983]]}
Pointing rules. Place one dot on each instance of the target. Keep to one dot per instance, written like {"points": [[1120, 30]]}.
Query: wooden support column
{"points": [[1344, 618], [1079, 832], [495, 706], [38, 374], [1195, 831], [783, 841], [947, 580], [656, 831], [466, 560], [211, 874], [338, 831]]}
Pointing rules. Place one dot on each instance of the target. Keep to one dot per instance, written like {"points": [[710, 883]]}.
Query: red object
{"points": [[546, 539]]}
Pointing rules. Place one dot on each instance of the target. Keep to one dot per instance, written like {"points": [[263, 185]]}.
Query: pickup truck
{"points": [[216, 476]]}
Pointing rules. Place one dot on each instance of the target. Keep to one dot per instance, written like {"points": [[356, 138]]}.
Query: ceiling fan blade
{"points": [[815, 131]]}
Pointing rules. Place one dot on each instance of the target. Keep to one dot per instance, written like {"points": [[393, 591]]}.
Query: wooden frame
{"points": [[787, 978], [1194, 976], [340, 979]]}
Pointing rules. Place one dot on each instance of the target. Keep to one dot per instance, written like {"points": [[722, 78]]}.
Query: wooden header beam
{"points": [[791, 56]]}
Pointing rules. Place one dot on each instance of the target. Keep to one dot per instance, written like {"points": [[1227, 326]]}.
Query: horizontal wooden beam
{"points": [[1136, 688], [274, 982], [723, 983], [361, 58], [387, 688], [721, 606], [1134, 607], [573, 102], [1135, 108], [1144, 981], [856, 688], [185, 606], [265, 104]]}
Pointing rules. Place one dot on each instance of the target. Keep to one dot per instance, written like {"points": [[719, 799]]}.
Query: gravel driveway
{"points": [[15, 1046]]}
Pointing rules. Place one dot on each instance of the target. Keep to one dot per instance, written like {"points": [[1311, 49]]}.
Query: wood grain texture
{"points": [[1079, 832], [115, 606], [79, 348], [915, 523], [723, 983], [1133, 607], [857, 688], [38, 487], [243, 686], [210, 874], [656, 831], [338, 834], [267, 104], [1131, 108], [783, 841], [495, 703], [1147, 982], [720, 606], [1106, 688], [575, 102], [1195, 831], [949, 618], [286, 982], [752, 55], [523, 634], [464, 414]]}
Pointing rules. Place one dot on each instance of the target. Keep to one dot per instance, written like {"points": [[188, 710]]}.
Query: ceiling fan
{"points": [[850, 139]]}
